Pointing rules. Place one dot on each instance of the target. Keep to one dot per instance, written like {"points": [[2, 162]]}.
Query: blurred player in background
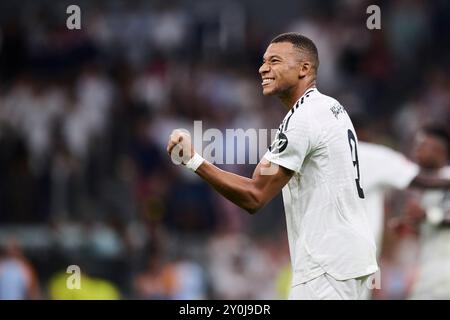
{"points": [[384, 169], [314, 160], [433, 280]]}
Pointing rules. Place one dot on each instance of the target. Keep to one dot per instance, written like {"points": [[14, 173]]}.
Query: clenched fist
{"points": [[180, 147]]}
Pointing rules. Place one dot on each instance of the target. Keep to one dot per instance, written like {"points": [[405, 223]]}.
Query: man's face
{"points": [[280, 68], [429, 151]]}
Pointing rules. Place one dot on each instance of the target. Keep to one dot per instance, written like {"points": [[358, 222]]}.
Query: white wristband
{"points": [[195, 162]]}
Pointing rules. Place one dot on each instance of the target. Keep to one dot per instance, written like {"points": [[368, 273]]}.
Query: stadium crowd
{"points": [[85, 115]]}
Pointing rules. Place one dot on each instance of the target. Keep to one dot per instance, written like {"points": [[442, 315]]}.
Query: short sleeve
{"points": [[292, 142], [402, 172], [396, 170]]}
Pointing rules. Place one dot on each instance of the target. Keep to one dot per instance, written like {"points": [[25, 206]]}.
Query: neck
{"points": [[291, 96]]}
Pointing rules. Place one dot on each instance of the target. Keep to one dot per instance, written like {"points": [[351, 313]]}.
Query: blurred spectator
{"points": [[433, 279], [18, 280], [241, 269], [190, 280], [157, 282]]}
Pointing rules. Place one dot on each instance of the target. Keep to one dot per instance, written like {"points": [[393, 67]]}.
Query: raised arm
{"points": [[251, 194]]}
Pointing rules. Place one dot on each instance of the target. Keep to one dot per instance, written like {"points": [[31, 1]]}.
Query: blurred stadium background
{"points": [[85, 116]]}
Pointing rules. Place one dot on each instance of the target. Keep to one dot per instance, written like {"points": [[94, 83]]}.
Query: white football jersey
{"points": [[327, 225], [381, 169]]}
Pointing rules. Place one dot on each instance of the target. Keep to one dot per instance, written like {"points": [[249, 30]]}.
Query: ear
{"points": [[304, 69]]}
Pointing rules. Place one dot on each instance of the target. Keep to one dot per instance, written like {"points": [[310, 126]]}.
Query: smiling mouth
{"points": [[267, 81]]}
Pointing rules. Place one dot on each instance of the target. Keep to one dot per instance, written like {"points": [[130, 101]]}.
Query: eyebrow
{"points": [[271, 57]]}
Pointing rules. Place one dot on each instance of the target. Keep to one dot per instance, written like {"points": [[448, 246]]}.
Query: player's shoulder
{"points": [[322, 104], [301, 109], [310, 100], [313, 106]]}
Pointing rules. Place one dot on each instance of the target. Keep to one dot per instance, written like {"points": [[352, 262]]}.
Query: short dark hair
{"points": [[439, 133], [302, 43]]}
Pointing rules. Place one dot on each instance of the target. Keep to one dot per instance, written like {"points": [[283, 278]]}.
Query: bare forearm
{"points": [[239, 190], [249, 194]]}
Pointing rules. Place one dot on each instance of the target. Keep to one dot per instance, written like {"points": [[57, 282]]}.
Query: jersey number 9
{"points": [[354, 152]]}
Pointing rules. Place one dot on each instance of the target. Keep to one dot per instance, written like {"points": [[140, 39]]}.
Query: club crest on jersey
{"points": [[337, 110], [279, 144]]}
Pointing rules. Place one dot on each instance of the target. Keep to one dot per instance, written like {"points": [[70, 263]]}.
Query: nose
{"points": [[264, 68]]}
